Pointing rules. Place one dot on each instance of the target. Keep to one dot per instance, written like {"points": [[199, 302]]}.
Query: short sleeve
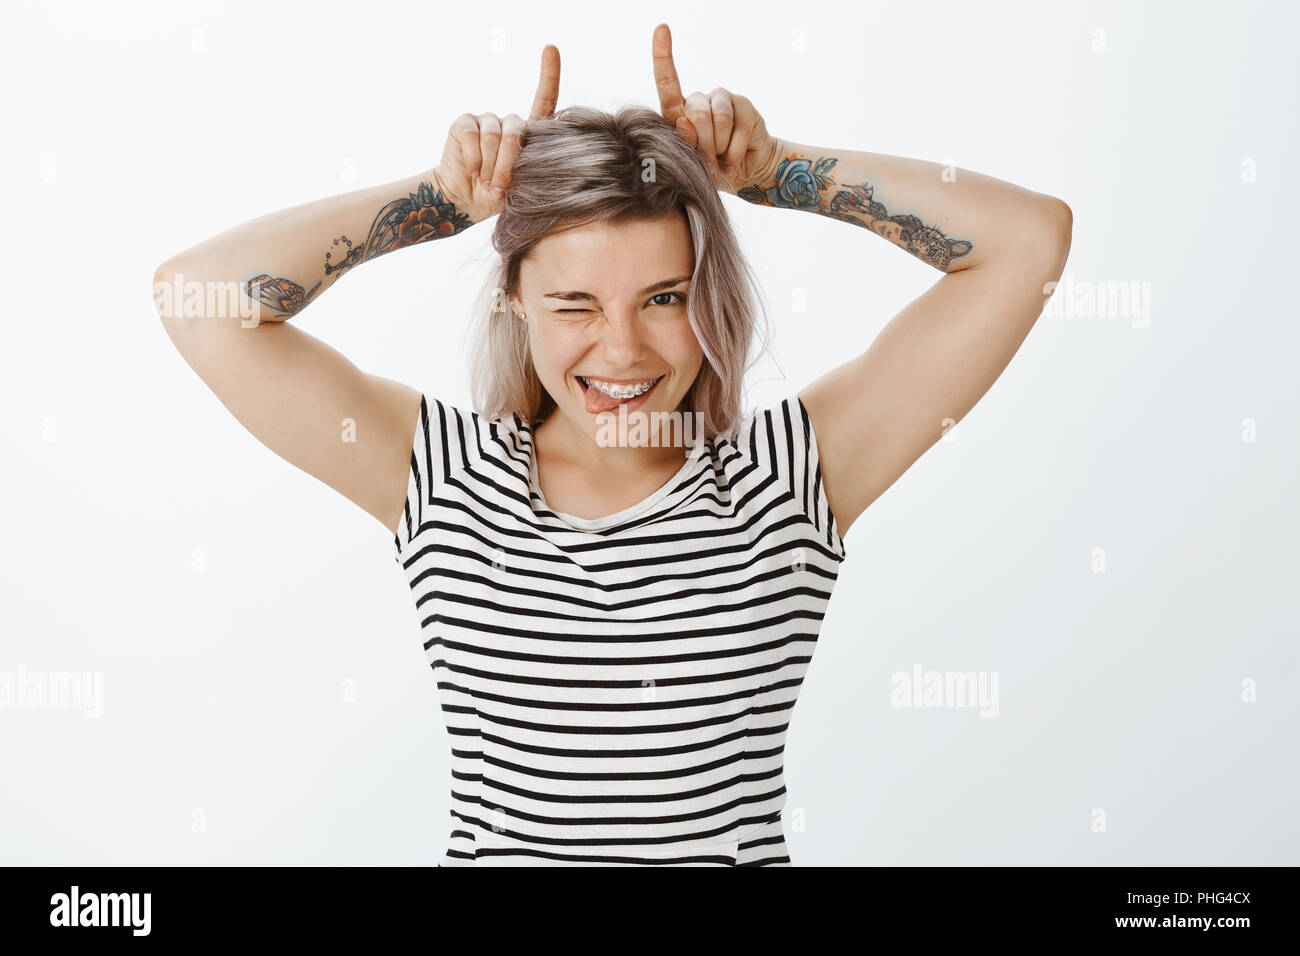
{"points": [[438, 449], [793, 455]]}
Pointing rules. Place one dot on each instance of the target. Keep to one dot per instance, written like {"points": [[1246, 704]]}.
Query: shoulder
{"points": [[773, 430], [449, 437], [779, 441], [449, 440]]}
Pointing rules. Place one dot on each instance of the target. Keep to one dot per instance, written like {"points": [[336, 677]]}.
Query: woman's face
{"points": [[607, 302]]}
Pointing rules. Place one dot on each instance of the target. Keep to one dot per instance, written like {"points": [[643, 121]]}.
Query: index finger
{"points": [[548, 87], [671, 102]]}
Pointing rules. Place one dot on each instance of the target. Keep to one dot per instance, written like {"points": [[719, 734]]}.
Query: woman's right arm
{"points": [[299, 397], [224, 303]]}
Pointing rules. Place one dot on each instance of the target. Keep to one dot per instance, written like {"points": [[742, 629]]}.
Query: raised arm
{"points": [[225, 305], [998, 245], [225, 302]]}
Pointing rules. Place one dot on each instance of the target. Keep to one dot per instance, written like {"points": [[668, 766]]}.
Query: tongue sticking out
{"points": [[596, 402], [599, 402]]}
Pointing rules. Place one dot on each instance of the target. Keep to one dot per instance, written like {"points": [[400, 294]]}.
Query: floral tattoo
{"points": [[418, 217], [803, 184]]}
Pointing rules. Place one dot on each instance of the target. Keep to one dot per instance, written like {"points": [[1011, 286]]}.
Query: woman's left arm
{"points": [[999, 246]]}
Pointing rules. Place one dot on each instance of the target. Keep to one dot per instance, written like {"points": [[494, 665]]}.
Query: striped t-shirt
{"points": [[617, 690]]}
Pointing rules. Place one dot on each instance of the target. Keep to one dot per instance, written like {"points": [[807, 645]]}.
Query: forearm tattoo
{"points": [[807, 184], [282, 296], [418, 217]]}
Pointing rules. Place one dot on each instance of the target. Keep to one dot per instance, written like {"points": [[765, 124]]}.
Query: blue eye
{"points": [[680, 297]]}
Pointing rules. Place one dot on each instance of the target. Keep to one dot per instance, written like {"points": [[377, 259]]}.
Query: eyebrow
{"points": [[574, 296]]}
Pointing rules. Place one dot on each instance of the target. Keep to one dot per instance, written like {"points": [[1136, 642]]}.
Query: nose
{"points": [[622, 340]]}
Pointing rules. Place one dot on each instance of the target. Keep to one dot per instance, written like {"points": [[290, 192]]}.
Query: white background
{"points": [[228, 600]]}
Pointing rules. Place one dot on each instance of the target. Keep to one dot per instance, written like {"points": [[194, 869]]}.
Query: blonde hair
{"points": [[585, 165]]}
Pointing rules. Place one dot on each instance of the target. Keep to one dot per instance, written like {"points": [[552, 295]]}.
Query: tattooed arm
{"points": [[930, 210], [998, 245], [283, 261], [298, 396], [225, 304]]}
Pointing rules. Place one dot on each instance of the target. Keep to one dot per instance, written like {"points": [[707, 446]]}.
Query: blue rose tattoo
{"points": [[803, 184]]}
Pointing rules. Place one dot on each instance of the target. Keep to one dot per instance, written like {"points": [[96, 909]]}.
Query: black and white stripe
{"points": [[618, 690]]}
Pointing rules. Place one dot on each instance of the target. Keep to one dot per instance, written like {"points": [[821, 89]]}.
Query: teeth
{"points": [[620, 391]]}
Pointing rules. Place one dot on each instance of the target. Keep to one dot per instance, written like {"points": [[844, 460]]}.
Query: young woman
{"points": [[619, 620]]}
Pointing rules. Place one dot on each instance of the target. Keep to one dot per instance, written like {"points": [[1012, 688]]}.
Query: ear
{"points": [[959, 247]]}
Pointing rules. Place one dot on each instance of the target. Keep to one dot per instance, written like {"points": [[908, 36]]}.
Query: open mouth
{"points": [[621, 393]]}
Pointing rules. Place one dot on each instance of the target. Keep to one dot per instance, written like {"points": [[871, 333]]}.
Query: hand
{"points": [[722, 126], [481, 149]]}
